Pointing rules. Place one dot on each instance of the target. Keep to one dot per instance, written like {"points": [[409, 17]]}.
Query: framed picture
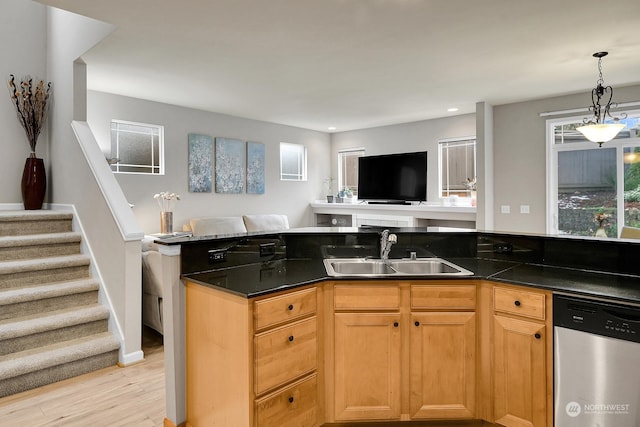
{"points": [[200, 163], [255, 167], [230, 165]]}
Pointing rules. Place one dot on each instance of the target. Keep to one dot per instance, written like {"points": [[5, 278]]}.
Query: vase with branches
{"points": [[31, 100]]}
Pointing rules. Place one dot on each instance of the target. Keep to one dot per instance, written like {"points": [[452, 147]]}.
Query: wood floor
{"points": [[131, 396]]}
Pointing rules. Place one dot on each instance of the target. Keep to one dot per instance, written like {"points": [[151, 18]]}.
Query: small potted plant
{"points": [[328, 183]]}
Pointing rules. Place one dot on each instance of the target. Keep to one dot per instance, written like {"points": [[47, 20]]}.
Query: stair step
{"points": [[44, 365], [44, 298], [14, 223], [23, 333], [39, 245], [35, 271]]}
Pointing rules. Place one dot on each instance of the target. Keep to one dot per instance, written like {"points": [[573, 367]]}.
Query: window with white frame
{"points": [[137, 148], [348, 169], [293, 162], [457, 161], [592, 190]]}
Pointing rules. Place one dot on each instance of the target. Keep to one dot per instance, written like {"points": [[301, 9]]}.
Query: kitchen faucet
{"points": [[386, 240]]}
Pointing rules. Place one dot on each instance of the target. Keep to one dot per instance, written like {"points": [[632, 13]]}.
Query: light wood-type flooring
{"points": [[131, 396]]}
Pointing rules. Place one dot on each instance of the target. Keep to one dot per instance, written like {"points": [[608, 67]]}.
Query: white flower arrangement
{"points": [[166, 200]]}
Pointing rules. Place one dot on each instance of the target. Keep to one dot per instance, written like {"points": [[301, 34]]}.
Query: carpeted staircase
{"points": [[51, 324]]}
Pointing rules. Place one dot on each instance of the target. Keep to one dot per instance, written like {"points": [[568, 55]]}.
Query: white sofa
{"points": [[203, 226]]}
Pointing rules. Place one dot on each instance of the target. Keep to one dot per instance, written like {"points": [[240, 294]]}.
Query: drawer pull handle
{"points": [[291, 399], [517, 303], [416, 323], [538, 336], [290, 307], [290, 338], [396, 324]]}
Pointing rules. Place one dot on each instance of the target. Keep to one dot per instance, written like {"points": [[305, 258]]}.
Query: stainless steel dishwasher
{"points": [[596, 363]]}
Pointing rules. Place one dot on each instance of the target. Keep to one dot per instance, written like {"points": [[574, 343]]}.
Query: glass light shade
{"points": [[601, 132]]}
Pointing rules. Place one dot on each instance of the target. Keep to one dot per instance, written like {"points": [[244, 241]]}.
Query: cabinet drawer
{"points": [[294, 406], [284, 353], [276, 310], [521, 303], [443, 296], [366, 297]]}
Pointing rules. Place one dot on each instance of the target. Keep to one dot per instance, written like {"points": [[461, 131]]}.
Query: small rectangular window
{"points": [[348, 169], [137, 148], [457, 166], [293, 162]]}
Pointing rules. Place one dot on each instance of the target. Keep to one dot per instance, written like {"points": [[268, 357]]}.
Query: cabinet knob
{"points": [[290, 307], [416, 323], [538, 336], [291, 399], [290, 338], [396, 324], [517, 303]]}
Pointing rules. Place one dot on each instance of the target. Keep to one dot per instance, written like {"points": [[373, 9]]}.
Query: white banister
{"points": [[117, 202]]}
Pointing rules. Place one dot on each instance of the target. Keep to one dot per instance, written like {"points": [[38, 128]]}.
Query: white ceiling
{"points": [[357, 63]]}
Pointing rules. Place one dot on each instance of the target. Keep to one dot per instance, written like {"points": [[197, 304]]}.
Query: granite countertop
{"points": [[272, 276]]}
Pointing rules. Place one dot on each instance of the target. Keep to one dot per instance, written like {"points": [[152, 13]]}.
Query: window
{"points": [[592, 191], [457, 159], [348, 169], [137, 148], [293, 162]]}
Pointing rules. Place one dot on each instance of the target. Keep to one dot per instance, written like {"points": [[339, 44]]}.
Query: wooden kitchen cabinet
{"points": [[404, 351], [367, 352], [252, 362], [443, 365], [522, 357], [443, 351]]}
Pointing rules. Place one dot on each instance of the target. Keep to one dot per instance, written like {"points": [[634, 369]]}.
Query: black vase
{"points": [[34, 183]]}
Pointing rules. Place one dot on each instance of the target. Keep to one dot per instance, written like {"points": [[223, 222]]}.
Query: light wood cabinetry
{"points": [[403, 350], [522, 357], [252, 363], [443, 351]]}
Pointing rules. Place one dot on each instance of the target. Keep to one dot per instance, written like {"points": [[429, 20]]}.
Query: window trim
{"points": [[454, 139], [551, 157], [302, 162], [341, 154], [161, 161]]}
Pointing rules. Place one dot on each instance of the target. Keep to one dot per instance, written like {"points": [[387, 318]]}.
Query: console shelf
{"points": [[424, 215]]}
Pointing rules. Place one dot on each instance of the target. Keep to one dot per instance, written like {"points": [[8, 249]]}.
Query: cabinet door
{"points": [[520, 386], [367, 366], [443, 374]]}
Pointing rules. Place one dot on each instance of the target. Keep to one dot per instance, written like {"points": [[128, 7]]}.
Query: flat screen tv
{"points": [[393, 178]]}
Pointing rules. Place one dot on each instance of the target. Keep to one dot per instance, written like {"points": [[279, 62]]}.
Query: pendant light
{"points": [[595, 129]]}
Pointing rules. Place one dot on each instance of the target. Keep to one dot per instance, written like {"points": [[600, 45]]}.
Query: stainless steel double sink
{"points": [[365, 267]]}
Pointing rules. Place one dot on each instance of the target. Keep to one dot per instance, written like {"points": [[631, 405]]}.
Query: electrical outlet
{"points": [[505, 209], [524, 209]]}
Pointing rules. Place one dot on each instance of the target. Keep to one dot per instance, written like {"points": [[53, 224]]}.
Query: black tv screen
{"points": [[393, 177]]}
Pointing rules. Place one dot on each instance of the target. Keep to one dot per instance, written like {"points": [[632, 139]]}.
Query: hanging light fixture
{"points": [[595, 129]]}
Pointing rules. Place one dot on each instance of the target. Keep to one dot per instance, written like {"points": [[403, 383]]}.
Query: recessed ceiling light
{"points": [[452, 109], [331, 128]]}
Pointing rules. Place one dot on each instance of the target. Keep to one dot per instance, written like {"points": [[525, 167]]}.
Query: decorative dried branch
{"points": [[31, 102]]}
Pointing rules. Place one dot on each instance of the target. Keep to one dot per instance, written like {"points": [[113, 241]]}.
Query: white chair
{"points": [[267, 222]]}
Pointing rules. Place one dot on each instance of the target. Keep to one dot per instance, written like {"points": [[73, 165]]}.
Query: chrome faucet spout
{"points": [[386, 241]]}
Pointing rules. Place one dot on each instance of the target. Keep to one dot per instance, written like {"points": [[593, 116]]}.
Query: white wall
{"points": [[520, 156], [23, 52], [72, 182], [403, 138], [290, 198]]}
